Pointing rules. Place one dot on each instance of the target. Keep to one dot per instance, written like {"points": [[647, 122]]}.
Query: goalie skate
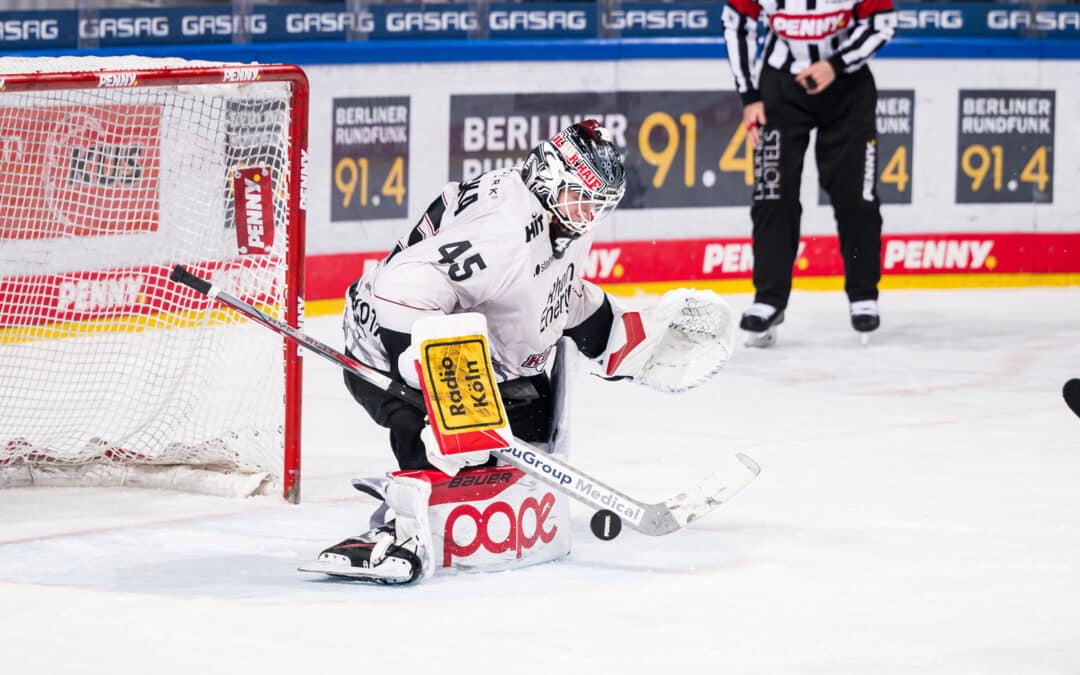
{"points": [[373, 557]]}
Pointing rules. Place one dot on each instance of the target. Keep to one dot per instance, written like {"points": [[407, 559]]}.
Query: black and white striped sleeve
{"points": [[875, 25], [740, 36]]}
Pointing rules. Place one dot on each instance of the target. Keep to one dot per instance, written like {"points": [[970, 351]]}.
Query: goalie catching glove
{"points": [[675, 345]]}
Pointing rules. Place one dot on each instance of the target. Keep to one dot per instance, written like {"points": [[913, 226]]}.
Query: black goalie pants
{"points": [[846, 156]]}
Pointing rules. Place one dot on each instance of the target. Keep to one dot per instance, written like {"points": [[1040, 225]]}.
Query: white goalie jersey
{"points": [[482, 246]]}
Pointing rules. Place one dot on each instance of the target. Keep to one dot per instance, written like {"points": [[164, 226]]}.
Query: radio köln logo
{"points": [[254, 208]]}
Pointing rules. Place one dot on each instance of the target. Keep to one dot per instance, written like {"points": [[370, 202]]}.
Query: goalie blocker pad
{"points": [[493, 518], [465, 411]]}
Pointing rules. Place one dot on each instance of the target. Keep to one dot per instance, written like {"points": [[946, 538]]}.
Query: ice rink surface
{"points": [[918, 511]]}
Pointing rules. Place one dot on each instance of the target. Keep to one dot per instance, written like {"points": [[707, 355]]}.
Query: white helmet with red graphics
{"points": [[578, 175]]}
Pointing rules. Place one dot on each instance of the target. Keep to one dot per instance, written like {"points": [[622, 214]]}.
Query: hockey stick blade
{"points": [[652, 519], [1071, 392]]}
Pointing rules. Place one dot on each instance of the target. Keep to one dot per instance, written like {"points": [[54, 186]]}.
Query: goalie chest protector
{"points": [[483, 246]]}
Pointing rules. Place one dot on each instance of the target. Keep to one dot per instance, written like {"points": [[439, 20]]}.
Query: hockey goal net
{"points": [[112, 170]]}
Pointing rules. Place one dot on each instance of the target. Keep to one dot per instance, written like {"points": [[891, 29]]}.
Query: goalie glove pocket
{"points": [[676, 345]]}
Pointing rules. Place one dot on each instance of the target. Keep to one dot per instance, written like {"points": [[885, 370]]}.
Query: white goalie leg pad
{"points": [[408, 498], [675, 345], [494, 518]]}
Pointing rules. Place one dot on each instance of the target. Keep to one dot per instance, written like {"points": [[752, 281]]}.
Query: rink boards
{"points": [[973, 136]]}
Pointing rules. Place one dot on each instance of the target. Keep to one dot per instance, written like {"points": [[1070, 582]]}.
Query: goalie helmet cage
{"points": [[113, 170]]}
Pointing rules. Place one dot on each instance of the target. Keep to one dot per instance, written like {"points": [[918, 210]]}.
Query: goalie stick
{"points": [[654, 519]]}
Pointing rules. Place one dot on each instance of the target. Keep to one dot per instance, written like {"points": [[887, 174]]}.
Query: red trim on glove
{"points": [[635, 335]]}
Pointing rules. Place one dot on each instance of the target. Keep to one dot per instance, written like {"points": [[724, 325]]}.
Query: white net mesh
{"points": [[106, 365]]}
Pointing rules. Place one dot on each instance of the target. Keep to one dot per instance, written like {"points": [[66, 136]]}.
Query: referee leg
{"points": [[778, 163], [846, 152]]}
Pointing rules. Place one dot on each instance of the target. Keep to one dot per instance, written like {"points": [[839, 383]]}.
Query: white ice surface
{"points": [[918, 512]]}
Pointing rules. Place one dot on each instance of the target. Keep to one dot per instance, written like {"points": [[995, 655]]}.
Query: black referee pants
{"points": [[846, 153]]}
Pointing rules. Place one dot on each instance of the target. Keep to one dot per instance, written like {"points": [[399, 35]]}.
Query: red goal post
{"points": [[113, 170]]}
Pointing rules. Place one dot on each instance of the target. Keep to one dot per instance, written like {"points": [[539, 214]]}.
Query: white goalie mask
{"points": [[578, 175]]}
